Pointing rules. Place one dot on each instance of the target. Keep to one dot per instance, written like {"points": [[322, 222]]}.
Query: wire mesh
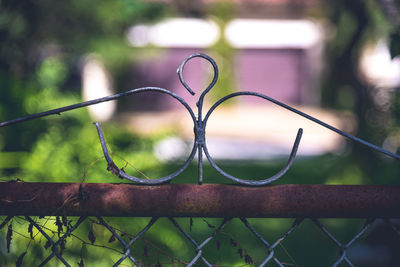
{"points": [[48, 241]]}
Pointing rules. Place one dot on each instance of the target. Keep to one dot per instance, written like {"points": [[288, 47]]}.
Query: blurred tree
{"points": [[358, 23], [41, 45]]}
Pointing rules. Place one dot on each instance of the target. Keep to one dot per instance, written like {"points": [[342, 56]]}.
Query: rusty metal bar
{"points": [[189, 200]]}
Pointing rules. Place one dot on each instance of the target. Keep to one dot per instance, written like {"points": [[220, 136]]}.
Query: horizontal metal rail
{"points": [[189, 200]]}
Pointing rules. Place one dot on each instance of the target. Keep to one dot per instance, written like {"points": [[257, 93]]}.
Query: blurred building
{"points": [[276, 50], [277, 57]]}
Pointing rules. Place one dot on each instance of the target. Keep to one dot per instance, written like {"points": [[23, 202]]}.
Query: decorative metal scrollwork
{"points": [[199, 144], [200, 124]]}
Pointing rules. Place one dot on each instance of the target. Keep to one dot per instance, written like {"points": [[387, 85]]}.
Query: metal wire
{"points": [[344, 247], [200, 124], [198, 247], [126, 246], [54, 245], [271, 247]]}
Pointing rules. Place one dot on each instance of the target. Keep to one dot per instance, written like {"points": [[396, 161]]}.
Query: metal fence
{"points": [[60, 241], [247, 209]]}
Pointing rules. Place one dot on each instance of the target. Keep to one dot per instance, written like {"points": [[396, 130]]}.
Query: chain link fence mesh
{"points": [[115, 241]]}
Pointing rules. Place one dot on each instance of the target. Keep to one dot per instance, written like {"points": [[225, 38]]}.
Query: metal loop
{"points": [[209, 59], [122, 174], [112, 167], [265, 181], [243, 181]]}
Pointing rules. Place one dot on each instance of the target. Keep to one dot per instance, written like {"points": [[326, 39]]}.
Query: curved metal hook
{"points": [[198, 124], [265, 181], [214, 80], [112, 167], [243, 181]]}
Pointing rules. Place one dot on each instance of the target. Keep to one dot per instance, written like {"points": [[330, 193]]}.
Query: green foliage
{"points": [[51, 73], [39, 55], [66, 145], [222, 12], [345, 28]]}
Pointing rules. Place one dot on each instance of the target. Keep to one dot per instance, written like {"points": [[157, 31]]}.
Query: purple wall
{"points": [[161, 72], [278, 73]]}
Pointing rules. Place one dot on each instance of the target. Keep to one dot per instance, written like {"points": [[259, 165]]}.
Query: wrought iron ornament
{"points": [[200, 124]]}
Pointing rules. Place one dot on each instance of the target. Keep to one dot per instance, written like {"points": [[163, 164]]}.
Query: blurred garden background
{"points": [[335, 60]]}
